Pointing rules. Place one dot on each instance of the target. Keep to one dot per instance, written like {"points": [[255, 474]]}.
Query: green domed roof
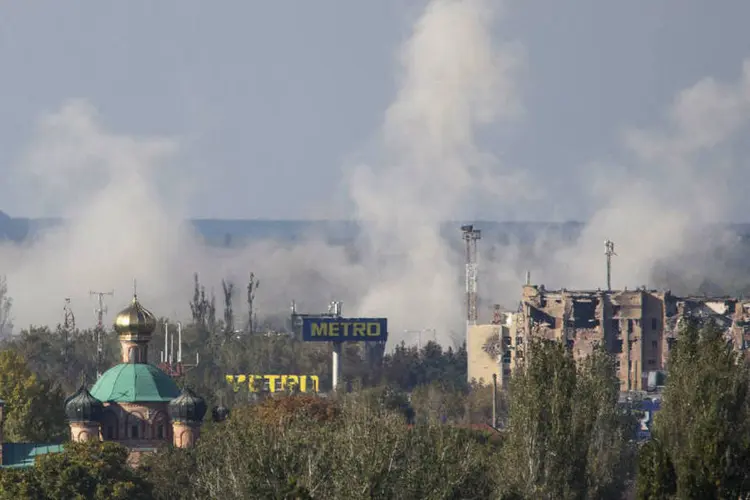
{"points": [[135, 383]]}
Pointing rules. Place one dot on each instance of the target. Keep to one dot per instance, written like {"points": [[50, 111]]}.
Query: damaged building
{"points": [[638, 326]]}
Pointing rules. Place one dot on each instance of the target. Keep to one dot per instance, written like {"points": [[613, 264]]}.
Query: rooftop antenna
{"points": [[470, 237], [609, 251], [99, 331]]}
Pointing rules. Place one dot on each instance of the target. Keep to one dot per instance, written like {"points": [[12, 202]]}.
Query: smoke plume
{"points": [[120, 227], [123, 199]]}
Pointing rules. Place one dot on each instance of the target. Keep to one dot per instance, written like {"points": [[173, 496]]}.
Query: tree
{"points": [[169, 472], [33, 407], [6, 303], [566, 439], [252, 287], [228, 288], [703, 426], [95, 470]]}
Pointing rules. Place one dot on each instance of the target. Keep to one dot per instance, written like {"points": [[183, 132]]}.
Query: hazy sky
{"points": [[271, 99]]}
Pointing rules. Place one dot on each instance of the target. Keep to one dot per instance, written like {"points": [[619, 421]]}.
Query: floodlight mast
{"points": [[470, 236], [609, 251]]}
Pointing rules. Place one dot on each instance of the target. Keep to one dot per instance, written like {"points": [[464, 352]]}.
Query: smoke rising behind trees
{"points": [[124, 199]]}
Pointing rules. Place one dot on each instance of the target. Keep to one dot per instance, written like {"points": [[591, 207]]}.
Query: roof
{"points": [[135, 383], [17, 455]]}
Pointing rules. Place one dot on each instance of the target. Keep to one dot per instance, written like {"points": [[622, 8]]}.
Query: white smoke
{"points": [[120, 227], [656, 203], [123, 224]]}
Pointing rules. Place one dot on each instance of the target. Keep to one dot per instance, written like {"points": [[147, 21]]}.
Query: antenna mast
{"points": [[609, 251], [99, 331], [470, 236]]}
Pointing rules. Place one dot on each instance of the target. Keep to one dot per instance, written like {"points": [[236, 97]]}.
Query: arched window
{"points": [[159, 427], [110, 426]]}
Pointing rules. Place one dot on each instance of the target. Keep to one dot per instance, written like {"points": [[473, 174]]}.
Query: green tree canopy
{"points": [[702, 432], [33, 407], [566, 437]]}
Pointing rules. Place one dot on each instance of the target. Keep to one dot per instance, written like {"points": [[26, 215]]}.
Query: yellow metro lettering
{"points": [[333, 329], [359, 329], [373, 329], [319, 330], [272, 382]]}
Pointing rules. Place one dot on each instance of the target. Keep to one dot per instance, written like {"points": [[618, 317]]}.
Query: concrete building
{"points": [[638, 326]]}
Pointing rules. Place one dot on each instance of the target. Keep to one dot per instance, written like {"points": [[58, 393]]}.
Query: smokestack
{"points": [[528, 278]]}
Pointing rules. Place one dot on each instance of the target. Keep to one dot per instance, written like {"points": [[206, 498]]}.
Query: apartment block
{"points": [[639, 327]]}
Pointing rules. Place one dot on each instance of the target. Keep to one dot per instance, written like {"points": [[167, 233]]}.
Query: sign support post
{"points": [[337, 330], [336, 364]]}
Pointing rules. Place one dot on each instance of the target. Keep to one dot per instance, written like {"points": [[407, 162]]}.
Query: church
{"points": [[135, 403]]}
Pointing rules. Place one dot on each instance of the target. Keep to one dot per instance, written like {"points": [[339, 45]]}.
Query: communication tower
{"points": [[99, 331], [470, 236], [609, 251]]}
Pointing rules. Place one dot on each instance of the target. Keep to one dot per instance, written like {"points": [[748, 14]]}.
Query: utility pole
{"points": [[470, 237], [609, 251], [100, 311]]}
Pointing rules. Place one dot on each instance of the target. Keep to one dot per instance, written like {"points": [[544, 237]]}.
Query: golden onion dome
{"points": [[135, 320]]}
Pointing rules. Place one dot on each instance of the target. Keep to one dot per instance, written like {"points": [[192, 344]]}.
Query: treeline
{"points": [[566, 437]]}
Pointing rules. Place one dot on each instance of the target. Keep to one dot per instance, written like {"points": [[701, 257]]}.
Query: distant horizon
{"points": [[297, 220]]}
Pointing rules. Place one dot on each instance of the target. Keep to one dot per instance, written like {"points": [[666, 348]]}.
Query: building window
{"points": [[160, 432], [618, 345], [651, 362], [654, 323], [506, 357], [110, 432], [654, 344], [630, 326], [134, 431], [519, 340]]}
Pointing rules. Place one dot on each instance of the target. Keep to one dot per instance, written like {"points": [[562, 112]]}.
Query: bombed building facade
{"points": [[639, 327]]}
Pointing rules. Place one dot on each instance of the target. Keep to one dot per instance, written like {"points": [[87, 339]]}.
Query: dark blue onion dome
{"points": [[220, 413], [187, 408], [83, 407]]}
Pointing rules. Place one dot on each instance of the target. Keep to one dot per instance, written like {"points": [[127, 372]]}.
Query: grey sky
{"points": [[275, 96]]}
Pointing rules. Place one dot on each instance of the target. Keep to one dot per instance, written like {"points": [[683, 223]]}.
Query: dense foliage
{"points": [[404, 426]]}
